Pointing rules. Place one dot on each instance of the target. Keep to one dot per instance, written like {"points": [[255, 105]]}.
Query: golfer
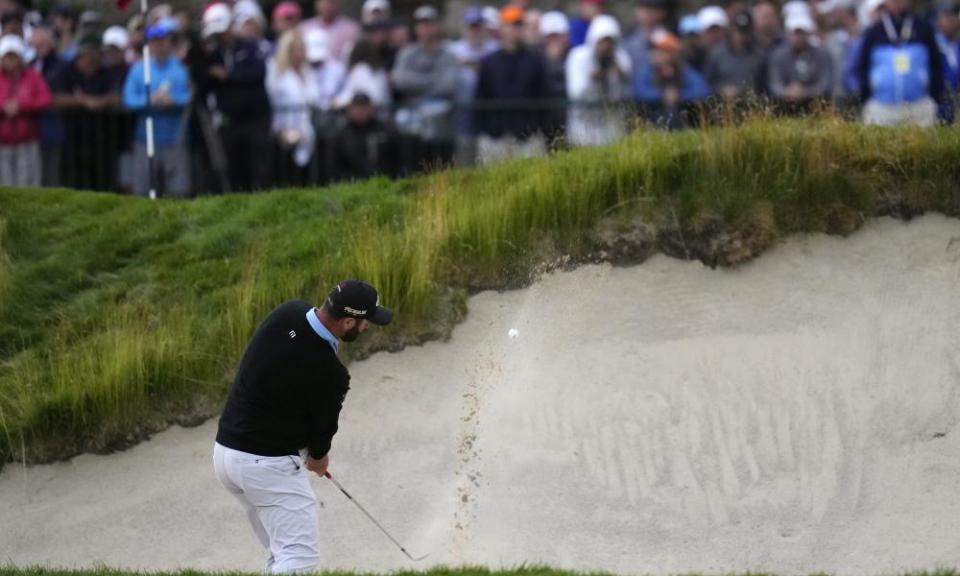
{"points": [[286, 398]]}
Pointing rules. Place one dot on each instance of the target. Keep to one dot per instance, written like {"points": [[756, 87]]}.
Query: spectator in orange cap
{"points": [[516, 74], [667, 86]]}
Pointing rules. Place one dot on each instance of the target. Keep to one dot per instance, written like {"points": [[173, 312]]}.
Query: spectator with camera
{"points": [[666, 88], [598, 82]]}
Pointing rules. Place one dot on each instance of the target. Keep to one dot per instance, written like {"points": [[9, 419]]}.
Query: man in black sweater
{"points": [[285, 401]]}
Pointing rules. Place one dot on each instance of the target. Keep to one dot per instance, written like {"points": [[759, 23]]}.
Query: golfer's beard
{"points": [[351, 335]]}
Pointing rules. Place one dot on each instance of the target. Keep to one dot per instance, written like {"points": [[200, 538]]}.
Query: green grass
{"points": [[119, 315], [466, 571]]}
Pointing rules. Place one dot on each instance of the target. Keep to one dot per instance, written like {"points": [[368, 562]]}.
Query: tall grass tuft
{"points": [[118, 315]]}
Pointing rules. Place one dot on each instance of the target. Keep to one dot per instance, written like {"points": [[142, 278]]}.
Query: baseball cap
{"points": [[796, 8], [828, 6], [663, 40], [711, 16], [161, 29], [287, 9], [689, 25], [800, 22], [491, 17], [12, 44], [90, 18], [90, 40], [247, 10], [473, 16], [372, 6], [424, 13], [117, 37], [316, 43], [217, 19], [359, 300], [554, 22], [511, 14]]}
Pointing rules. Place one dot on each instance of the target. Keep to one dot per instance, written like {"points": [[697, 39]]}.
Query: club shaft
{"points": [[368, 515]]}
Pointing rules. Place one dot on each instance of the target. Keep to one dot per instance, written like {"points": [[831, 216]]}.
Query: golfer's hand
{"points": [[318, 467]]}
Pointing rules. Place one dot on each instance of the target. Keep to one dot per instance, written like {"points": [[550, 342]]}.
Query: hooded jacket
{"points": [[590, 121]]}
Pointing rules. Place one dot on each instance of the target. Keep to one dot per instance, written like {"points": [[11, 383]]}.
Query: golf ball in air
{"points": [[513, 333]]}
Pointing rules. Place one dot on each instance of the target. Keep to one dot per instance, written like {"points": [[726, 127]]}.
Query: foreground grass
{"points": [[467, 571], [119, 315]]}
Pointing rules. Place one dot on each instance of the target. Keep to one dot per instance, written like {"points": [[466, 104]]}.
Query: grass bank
{"points": [[467, 571], [121, 315]]}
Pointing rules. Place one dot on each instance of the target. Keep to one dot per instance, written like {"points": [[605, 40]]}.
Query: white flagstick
{"points": [[149, 121]]}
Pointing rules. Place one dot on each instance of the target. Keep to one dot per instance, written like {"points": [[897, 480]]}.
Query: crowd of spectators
{"points": [[245, 95]]}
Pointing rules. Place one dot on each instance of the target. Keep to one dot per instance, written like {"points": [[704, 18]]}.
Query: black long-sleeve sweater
{"points": [[288, 391]]}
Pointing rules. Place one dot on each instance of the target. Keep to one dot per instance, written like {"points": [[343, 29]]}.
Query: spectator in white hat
{"points": [[328, 73], [23, 93], [799, 73], [115, 42], [343, 32], [714, 24], [599, 74]]}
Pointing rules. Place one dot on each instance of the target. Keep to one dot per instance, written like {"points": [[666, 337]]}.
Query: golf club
{"points": [[374, 520]]}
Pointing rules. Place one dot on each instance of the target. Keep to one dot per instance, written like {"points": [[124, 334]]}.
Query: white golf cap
{"points": [[554, 22], [711, 16], [12, 44], [117, 37], [217, 19], [491, 17], [371, 6], [426, 13], [316, 43], [828, 6], [867, 10], [796, 8], [801, 23], [248, 10]]}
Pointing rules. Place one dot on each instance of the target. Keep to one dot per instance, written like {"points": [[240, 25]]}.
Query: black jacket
{"points": [[516, 81], [243, 95], [288, 391]]}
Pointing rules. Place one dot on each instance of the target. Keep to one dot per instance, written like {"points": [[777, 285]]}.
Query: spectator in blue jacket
{"points": [[901, 69], [668, 87], [168, 97]]}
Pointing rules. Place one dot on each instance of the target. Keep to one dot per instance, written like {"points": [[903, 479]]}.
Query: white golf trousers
{"points": [[280, 504]]}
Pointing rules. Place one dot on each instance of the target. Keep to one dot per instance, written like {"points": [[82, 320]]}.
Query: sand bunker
{"points": [[793, 415]]}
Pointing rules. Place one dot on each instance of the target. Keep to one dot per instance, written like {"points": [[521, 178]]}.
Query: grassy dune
{"points": [[121, 315]]}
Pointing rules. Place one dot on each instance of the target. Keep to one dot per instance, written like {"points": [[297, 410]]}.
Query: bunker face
{"points": [[796, 414]]}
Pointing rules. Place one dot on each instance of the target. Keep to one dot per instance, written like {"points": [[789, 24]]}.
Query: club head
{"points": [[415, 558]]}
